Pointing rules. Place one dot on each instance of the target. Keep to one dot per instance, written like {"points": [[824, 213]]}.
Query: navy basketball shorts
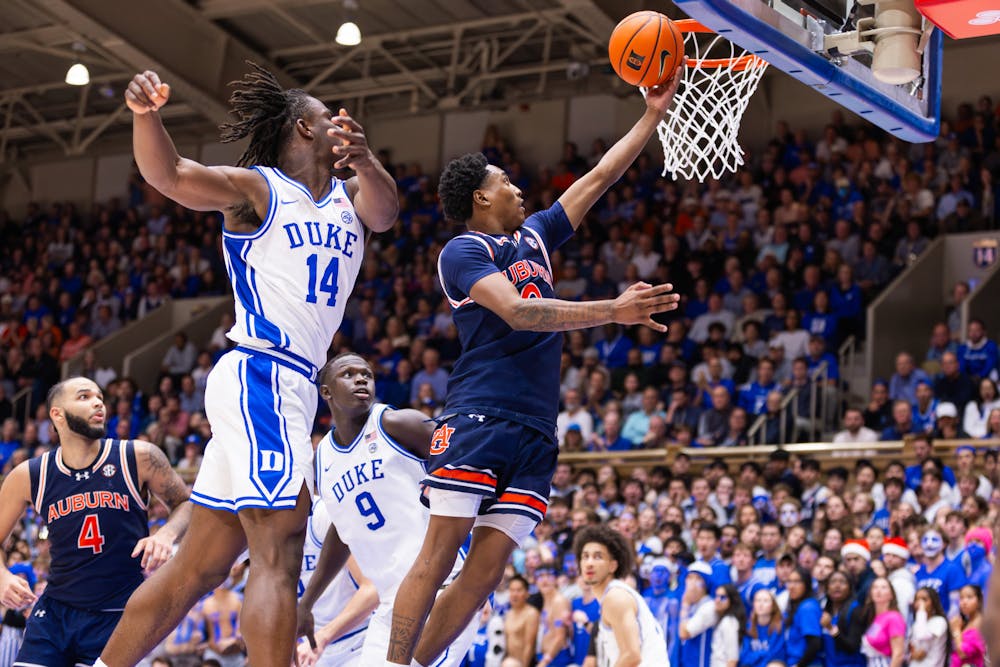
{"points": [[62, 636], [508, 463]]}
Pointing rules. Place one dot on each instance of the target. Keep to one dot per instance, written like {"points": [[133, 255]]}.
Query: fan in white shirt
{"points": [[855, 429]]}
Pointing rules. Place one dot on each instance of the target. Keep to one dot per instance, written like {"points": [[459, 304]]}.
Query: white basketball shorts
{"points": [[377, 640], [261, 408], [344, 652]]}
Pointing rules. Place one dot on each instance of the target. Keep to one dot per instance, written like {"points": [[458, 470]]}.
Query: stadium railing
{"points": [[827, 453]]}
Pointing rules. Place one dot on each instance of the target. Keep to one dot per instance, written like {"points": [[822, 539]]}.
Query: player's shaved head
{"points": [[58, 391], [325, 375]]}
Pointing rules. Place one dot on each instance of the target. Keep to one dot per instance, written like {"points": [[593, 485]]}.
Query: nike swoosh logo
{"points": [[295, 200], [663, 59]]}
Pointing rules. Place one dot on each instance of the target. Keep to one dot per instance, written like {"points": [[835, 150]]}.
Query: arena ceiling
{"points": [[415, 56]]}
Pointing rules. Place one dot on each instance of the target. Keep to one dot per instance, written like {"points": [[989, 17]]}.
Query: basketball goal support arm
{"points": [[761, 30]]}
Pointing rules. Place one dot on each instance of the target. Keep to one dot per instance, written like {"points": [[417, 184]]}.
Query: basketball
{"points": [[646, 48]]}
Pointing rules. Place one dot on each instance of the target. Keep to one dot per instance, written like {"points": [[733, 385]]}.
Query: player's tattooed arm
{"points": [[403, 638], [410, 428], [636, 305], [157, 475]]}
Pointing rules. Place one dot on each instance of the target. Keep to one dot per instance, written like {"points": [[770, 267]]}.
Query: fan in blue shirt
{"points": [[803, 632], [753, 397], [938, 572], [764, 640], [978, 355]]}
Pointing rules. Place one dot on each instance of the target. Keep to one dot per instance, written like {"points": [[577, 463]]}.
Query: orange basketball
{"points": [[646, 48]]}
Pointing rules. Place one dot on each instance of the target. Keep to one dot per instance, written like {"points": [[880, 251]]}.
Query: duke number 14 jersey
{"points": [[292, 276]]}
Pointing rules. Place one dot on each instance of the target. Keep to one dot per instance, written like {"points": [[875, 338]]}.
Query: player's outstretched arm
{"points": [[636, 305], [15, 495], [619, 613], [358, 608], [372, 190], [187, 182], [157, 475], [410, 428], [331, 559], [586, 190]]}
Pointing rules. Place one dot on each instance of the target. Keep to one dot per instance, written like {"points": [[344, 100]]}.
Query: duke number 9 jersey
{"points": [[292, 276], [372, 493]]}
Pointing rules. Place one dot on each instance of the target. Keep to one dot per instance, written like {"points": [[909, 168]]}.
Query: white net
{"points": [[700, 130]]}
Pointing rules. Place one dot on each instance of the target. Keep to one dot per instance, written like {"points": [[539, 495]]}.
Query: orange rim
{"points": [[738, 64]]}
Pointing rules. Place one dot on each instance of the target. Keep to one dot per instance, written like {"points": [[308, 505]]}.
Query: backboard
{"points": [[833, 47]]}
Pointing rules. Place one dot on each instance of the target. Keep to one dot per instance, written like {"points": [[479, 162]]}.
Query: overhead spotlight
{"points": [[78, 74], [349, 34]]}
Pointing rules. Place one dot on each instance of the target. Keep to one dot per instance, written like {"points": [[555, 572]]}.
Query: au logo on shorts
{"points": [[441, 439]]}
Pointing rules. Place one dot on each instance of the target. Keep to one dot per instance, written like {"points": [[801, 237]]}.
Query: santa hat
{"points": [[896, 546], [856, 547], [981, 535]]}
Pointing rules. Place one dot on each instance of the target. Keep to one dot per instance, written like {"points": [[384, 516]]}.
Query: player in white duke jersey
{"points": [[628, 632], [293, 236], [344, 609], [368, 471]]}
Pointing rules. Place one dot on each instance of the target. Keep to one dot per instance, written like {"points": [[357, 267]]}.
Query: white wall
{"points": [[71, 179], [15, 194], [412, 139], [112, 176], [218, 153]]}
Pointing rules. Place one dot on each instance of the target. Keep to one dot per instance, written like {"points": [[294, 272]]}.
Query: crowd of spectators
{"points": [[775, 266]]}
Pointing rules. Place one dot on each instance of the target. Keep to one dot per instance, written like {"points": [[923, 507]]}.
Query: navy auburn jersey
{"points": [[503, 372], [94, 516]]}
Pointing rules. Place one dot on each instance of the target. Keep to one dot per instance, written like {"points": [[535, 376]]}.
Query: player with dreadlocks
{"points": [[293, 239]]}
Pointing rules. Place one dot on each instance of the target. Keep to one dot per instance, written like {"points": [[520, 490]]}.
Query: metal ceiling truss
{"points": [[450, 66], [527, 54]]}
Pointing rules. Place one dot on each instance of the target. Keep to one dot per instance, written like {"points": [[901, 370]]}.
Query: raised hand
{"points": [[659, 97], [641, 301], [145, 93], [354, 152]]}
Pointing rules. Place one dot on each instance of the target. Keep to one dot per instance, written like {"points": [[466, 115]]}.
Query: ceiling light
{"points": [[349, 34], [78, 74]]}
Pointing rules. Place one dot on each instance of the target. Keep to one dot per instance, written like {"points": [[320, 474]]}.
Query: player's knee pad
{"points": [[453, 503], [515, 526]]}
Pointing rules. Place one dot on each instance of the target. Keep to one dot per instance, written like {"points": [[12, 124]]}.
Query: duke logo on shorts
{"points": [[291, 279]]}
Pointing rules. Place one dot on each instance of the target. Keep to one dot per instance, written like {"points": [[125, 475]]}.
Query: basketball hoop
{"points": [[700, 130]]}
